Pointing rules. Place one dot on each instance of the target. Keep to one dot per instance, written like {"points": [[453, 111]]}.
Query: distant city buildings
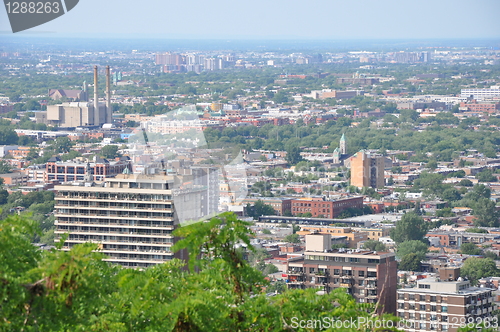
{"points": [[79, 114], [175, 62], [76, 170], [480, 94]]}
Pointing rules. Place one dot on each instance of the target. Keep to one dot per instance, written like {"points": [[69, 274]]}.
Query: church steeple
{"points": [[336, 156], [343, 145]]}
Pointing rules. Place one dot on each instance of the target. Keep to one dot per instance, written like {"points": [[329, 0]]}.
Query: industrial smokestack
{"points": [[97, 118], [108, 96]]}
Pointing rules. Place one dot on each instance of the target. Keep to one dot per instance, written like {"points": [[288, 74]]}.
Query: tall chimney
{"points": [[108, 96], [97, 118]]}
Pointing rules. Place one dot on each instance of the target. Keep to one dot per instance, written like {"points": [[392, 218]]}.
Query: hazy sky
{"points": [[313, 19]]}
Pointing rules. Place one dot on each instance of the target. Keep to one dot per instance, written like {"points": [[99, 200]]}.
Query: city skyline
{"points": [[386, 19]]}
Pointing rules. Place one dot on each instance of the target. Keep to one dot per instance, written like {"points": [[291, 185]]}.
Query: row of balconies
{"points": [[101, 233], [95, 206], [115, 199], [114, 224], [73, 214], [117, 258], [75, 241]]}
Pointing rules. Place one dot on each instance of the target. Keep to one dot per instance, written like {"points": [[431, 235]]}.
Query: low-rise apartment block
{"points": [[369, 276], [443, 305]]}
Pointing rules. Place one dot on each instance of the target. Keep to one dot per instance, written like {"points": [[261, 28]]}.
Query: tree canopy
{"points": [[77, 291], [476, 268], [416, 247], [410, 227]]}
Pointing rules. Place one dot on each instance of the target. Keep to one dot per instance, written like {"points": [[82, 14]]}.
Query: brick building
{"points": [[280, 205], [76, 170], [474, 106], [318, 206]]}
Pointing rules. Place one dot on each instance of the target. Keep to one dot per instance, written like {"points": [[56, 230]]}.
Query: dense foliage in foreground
{"points": [[77, 291]]}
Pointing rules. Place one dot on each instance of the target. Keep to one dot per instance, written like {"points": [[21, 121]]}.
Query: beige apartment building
{"points": [[369, 276], [444, 303], [367, 170], [131, 216]]}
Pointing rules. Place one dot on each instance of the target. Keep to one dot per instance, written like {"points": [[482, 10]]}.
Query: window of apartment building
{"points": [[422, 326], [354, 260], [411, 306], [372, 260], [311, 270], [444, 309], [422, 297], [444, 318], [335, 280], [412, 297], [424, 286], [444, 327], [361, 282], [336, 271], [401, 305], [346, 272], [433, 299], [433, 308], [433, 327], [401, 296], [371, 274], [361, 273], [422, 307], [411, 315], [433, 317]]}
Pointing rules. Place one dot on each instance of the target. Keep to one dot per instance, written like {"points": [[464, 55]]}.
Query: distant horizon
{"points": [[148, 42]]}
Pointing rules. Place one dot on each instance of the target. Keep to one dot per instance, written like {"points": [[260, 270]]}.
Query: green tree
{"points": [[451, 194], [485, 212], [477, 192], [110, 151], [444, 212], [32, 154], [260, 209], [410, 227], [76, 290], [476, 230], [293, 155], [413, 246], [61, 145], [374, 245], [4, 196], [7, 136], [292, 238], [470, 249], [5, 168], [466, 183], [476, 268], [410, 262], [432, 164], [486, 176]]}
